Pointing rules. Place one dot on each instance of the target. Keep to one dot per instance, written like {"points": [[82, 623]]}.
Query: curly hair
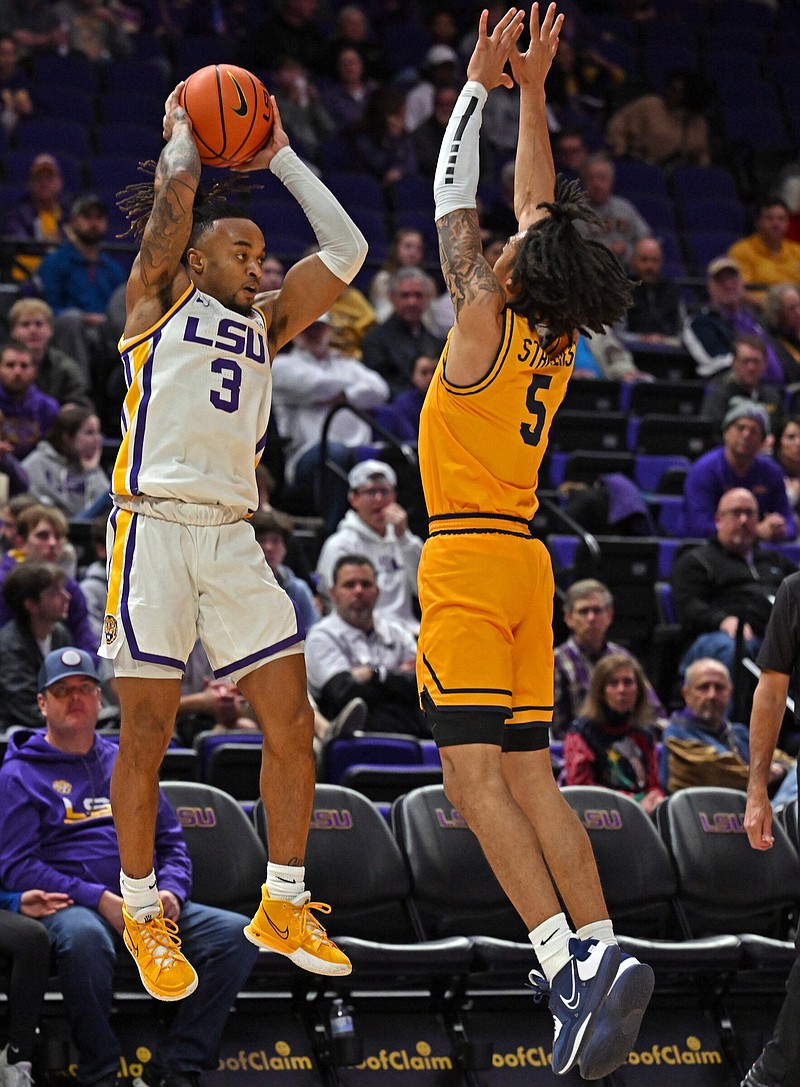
{"points": [[225, 199], [566, 281]]}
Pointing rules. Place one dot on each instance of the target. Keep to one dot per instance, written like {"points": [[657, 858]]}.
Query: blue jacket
{"points": [[69, 280], [56, 826], [683, 725]]}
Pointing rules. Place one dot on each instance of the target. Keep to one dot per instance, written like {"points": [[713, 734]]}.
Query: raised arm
{"points": [[157, 277], [313, 284], [534, 172], [478, 297]]}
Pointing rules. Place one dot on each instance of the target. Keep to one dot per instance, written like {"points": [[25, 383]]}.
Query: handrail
{"points": [[407, 450], [754, 670], [592, 545]]}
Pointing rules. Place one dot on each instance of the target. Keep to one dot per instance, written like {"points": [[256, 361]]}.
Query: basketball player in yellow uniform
{"points": [[183, 561], [485, 661]]}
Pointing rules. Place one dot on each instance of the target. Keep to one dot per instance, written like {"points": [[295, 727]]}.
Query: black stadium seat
{"points": [[353, 863], [228, 860], [725, 886]]}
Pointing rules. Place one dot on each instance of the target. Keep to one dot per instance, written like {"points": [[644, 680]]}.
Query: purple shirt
{"points": [[711, 476], [27, 421]]}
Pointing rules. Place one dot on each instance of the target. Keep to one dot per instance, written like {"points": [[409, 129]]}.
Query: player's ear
{"points": [[195, 260]]}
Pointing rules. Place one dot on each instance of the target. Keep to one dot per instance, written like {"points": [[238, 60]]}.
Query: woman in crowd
{"points": [[787, 454], [406, 251], [64, 469], [612, 743]]}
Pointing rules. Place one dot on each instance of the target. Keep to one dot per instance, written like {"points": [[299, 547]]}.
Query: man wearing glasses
{"points": [[729, 579], [739, 462]]}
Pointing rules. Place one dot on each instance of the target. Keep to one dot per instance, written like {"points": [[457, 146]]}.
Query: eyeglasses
{"points": [[60, 691], [375, 492], [740, 511], [597, 609]]}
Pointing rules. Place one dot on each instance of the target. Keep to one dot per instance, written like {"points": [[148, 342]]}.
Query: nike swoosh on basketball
{"points": [[241, 109], [282, 932], [574, 997]]}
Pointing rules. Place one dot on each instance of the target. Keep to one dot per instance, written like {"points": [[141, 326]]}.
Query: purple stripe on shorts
{"points": [[133, 645], [262, 654]]}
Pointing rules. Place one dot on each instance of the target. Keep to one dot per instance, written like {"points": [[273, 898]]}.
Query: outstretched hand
{"points": [[492, 50], [532, 66], [277, 140]]}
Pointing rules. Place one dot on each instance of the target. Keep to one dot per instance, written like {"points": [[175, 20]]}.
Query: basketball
{"points": [[230, 111]]}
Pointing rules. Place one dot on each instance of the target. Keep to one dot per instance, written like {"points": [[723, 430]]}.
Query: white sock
{"points": [[599, 930], [285, 880], [550, 941], [140, 896]]}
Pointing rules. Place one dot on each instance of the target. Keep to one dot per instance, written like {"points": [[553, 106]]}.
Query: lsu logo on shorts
{"points": [[109, 629]]}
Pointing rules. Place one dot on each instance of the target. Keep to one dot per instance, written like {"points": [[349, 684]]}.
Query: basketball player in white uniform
{"points": [[183, 560]]}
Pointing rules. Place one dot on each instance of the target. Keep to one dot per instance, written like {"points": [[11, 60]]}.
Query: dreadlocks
{"points": [[567, 281], [219, 200]]}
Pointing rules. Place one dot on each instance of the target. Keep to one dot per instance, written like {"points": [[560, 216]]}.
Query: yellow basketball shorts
{"points": [[485, 655]]}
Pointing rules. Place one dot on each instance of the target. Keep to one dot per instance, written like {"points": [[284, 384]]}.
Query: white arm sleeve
{"points": [[455, 182], [342, 246]]}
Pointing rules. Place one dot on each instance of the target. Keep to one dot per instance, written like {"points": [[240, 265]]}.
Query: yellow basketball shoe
{"points": [[290, 928], [154, 944]]}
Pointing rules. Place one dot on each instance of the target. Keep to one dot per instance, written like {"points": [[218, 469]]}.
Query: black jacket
{"points": [[710, 583]]}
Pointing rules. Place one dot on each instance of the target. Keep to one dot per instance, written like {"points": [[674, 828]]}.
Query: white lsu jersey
{"points": [[194, 420]]}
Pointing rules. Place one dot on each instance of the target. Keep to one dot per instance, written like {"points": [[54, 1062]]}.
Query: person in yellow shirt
{"points": [[766, 257], [485, 658]]}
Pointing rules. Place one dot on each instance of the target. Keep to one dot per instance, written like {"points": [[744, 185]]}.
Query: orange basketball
{"points": [[230, 111]]}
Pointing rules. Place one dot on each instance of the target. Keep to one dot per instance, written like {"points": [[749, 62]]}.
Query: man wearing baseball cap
{"points": [[40, 215], [709, 334], [57, 830], [78, 279], [738, 462], [377, 526]]}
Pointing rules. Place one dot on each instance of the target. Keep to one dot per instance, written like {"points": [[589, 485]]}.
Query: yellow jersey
{"points": [[481, 446]]}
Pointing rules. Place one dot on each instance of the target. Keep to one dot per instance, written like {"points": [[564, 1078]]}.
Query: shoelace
{"points": [[540, 986], [160, 938], [310, 923]]}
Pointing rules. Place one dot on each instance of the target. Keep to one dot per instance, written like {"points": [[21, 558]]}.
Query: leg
{"points": [[277, 693], [474, 783], [26, 943], [86, 951], [213, 938], [148, 708], [562, 840], [779, 1064]]}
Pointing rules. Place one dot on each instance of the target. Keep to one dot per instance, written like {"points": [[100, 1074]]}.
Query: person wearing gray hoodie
{"points": [[377, 526]]}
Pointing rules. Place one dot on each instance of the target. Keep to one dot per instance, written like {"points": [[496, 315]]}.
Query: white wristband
{"points": [[455, 182], [342, 246]]}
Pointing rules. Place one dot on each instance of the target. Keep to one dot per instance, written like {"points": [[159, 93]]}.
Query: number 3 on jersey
{"points": [[226, 398], [532, 434]]}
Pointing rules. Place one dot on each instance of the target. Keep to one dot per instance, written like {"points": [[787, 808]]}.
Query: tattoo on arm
{"points": [[170, 220], [466, 274]]}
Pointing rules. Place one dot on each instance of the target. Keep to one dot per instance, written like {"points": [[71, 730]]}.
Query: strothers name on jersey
{"points": [[195, 415]]}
